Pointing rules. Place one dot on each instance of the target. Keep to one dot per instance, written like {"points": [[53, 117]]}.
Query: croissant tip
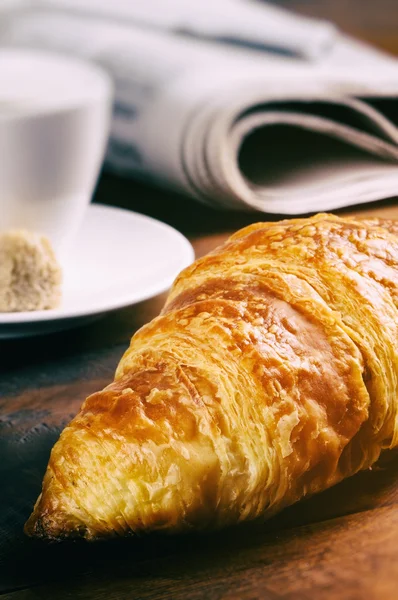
{"points": [[35, 527], [29, 528], [43, 527]]}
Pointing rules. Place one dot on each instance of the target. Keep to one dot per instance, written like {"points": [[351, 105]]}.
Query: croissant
{"points": [[271, 374]]}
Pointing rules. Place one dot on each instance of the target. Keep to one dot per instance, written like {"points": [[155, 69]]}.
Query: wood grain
{"points": [[354, 557]]}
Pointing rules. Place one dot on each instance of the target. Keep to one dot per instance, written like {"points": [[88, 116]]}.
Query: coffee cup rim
{"points": [[90, 83]]}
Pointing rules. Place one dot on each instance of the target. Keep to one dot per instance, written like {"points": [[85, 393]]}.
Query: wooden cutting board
{"points": [[340, 544]]}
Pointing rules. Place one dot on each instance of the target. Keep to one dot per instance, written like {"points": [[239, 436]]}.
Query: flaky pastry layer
{"points": [[271, 374]]}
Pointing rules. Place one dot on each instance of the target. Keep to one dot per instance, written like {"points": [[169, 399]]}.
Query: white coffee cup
{"points": [[54, 124]]}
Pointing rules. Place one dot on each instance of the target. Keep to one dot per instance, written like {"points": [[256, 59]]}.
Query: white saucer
{"points": [[118, 258]]}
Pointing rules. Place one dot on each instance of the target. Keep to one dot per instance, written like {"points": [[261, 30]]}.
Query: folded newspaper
{"points": [[234, 102]]}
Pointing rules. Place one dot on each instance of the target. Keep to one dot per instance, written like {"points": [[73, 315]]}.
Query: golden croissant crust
{"points": [[271, 374]]}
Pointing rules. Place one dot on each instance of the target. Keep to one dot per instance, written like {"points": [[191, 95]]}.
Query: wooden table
{"points": [[340, 544]]}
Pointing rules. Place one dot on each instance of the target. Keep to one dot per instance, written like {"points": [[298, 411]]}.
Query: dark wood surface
{"points": [[342, 543], [373, 20]]}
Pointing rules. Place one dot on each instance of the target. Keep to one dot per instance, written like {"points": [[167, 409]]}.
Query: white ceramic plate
{"points": [[118, 258]]}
